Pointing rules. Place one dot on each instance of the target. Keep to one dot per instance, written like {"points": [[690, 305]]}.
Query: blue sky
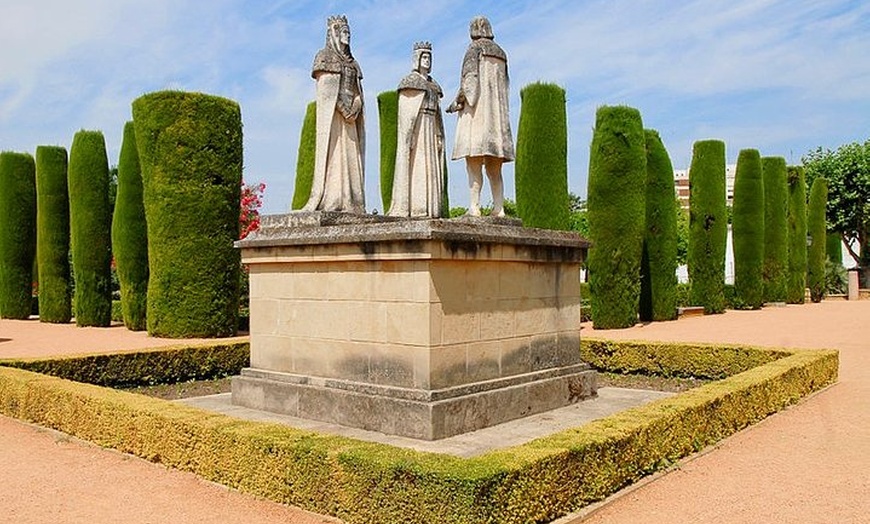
{"points": [[781, 76]]}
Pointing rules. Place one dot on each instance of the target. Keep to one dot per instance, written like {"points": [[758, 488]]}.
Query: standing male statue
{"points": [[483, 132], [340, 144], [418, 184]]}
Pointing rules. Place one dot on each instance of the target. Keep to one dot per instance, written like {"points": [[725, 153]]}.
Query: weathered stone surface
{"points": [[337, 183], [483, 133], [426, 415], [369, 313]]}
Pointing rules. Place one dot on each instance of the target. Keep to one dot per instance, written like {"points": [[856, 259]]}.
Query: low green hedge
{"points": [[366, 482], [674, 359], [142, 368]]}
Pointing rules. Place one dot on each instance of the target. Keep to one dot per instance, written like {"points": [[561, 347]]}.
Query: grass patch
{"points": [[366, 482]]}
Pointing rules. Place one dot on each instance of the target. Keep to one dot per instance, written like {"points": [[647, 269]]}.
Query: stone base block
{"points": [[414, 413]]}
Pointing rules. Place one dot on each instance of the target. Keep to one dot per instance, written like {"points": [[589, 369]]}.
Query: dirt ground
{"points": [[807, 464]]}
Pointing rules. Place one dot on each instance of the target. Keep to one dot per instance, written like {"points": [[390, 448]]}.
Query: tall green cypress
{"points": [[17, 234], [748, 229], [305, 157], [708, 225], [775, 229], [388, 118], [542, 157], [616, 209], [816, 234], [797, 235], [130, 235], [52, 238], [658, 285], [190, 150], [834, 248], [90, 229]]}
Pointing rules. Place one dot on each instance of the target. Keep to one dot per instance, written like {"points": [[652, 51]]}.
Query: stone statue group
{"points": [[483, 134]]}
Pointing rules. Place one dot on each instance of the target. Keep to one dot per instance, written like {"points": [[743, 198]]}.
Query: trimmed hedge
{"points": [[708, 225], [90, 229], [144, 368], [658, 284], [388, 120], [797, 236], [190, 149], [130, 235], [674, 359], [775, 228], [365, 482], [817, 233], [616, 214], [305, 158], [748, 229], [542, 157], [17, 234], [53, 236]]}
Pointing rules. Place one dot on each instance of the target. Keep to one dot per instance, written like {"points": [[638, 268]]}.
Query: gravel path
{"points": [[808, 464]]}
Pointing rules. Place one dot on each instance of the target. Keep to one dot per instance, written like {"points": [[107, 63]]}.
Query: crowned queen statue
{"points": [[338, 182]]}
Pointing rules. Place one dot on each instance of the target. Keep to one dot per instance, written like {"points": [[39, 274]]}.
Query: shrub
{"points": [[775, 229], [708, 227], [748, 229], [130, 235], [17, 234], [388, 118], [836, 279], [90, 229], [190, 149], [658, 293], [816, 233], [542, 157], [169, 365], [305, 157], [797, 236], [52, 239], [616, 208]]}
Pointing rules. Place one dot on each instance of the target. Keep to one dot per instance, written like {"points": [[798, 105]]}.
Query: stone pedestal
{"points": [[854, 285], [420, 328]]}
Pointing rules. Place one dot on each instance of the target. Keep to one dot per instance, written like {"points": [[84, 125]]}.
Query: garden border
{"points": [[367, 482]]}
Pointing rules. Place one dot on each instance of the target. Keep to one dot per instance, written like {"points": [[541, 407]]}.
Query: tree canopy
{"points": [[848, 211]]}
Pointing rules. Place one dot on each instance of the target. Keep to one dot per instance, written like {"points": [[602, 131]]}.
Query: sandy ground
{"points": [[31, 338], [808, 464]]}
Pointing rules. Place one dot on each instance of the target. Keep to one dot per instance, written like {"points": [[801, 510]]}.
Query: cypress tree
{"points": [[797, 235], [834, 248], [748, 229], [388, 118], [775, 229], [616, 209], [190, 150], [305, 157], [17, 234], [658, 285], [816, 229], [708, 225], [542, 157], [52, 225], [90, 229], [130, 236]]}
